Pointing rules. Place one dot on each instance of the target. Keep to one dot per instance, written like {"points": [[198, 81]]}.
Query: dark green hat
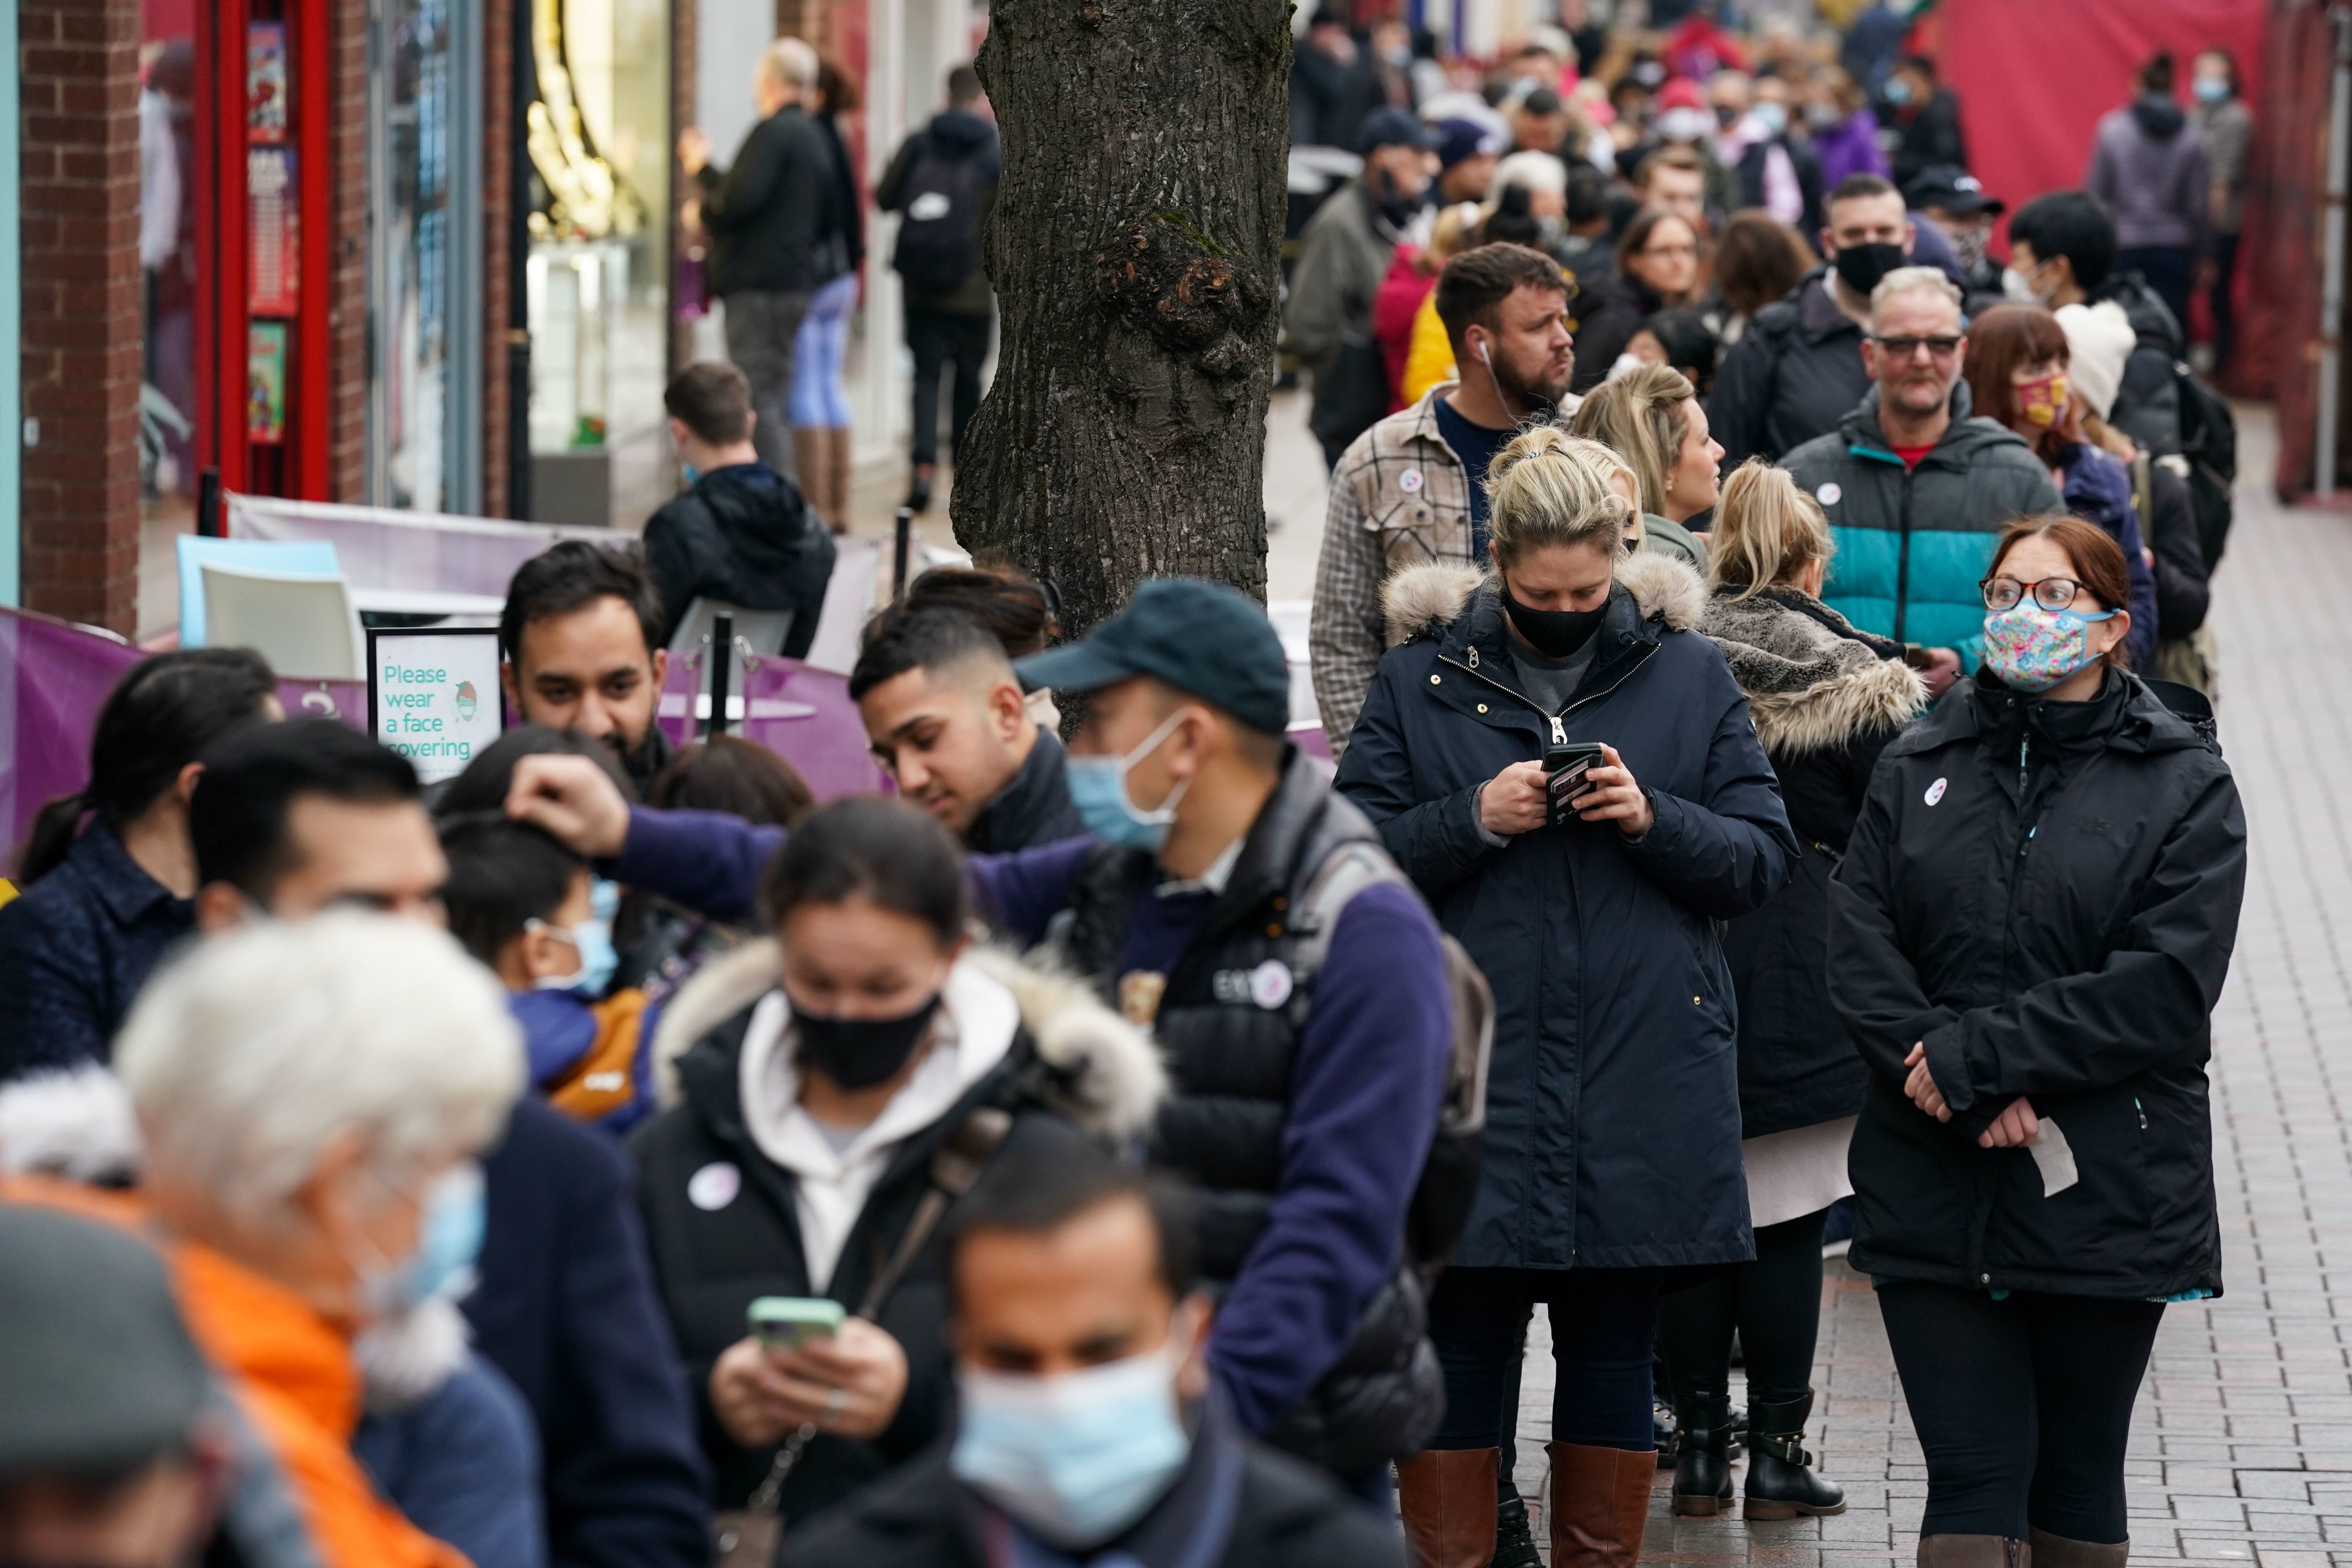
{"points": [[98, 1374], [1202, 639]]}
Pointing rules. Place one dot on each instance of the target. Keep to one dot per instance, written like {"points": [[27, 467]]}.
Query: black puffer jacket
{"points": [[2046, 894], [1826, 700], [1794, 375], [723, 1220], [743, 534]]}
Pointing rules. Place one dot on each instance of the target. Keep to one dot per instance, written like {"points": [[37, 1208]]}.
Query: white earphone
{"points": [[1484, 354]]}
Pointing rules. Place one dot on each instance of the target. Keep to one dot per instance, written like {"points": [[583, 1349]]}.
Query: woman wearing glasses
{"points": [[1657, 269], [2027, 937]]}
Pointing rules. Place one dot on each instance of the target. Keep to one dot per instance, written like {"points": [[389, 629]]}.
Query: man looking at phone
{"points": [[1306, 1087], [1075, 1294]]}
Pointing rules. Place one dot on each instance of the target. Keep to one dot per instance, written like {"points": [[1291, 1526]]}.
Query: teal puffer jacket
{"points": [[1913, 543]]}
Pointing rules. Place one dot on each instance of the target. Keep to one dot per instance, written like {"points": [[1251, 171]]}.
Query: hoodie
{"points": [[742, 535], [2148, 165], [955, 134]]}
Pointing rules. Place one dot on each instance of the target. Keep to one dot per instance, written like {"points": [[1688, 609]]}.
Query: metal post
{"points": [[906, 533], [722, 660], [209, 523], [2331, 288]]}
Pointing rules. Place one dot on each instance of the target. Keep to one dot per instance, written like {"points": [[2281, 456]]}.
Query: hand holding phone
{"points": [[1567, 770], [787, 1322]]}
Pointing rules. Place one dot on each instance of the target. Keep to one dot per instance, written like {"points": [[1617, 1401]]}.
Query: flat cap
{"points": [[1202, 639], [98, 1374]]}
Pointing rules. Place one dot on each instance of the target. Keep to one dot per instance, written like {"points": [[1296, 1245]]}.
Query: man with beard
{"points": [[1412, 488], [580, 633]]}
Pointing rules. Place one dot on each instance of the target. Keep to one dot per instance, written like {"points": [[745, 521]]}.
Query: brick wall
{"points": [[78, 74], [347, 39]]}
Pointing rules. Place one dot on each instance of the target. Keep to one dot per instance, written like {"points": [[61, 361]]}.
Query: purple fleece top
{"points": [[1366, 1082]]}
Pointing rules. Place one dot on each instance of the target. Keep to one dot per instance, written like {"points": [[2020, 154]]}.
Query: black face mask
{"points": [[1555, 634], [1862, 265], [1395, 206], [858, 1053]]}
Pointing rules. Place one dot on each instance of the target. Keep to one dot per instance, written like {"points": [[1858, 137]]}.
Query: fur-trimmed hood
{"points": [[76, 1123], [1421, 600], [1812, 681], [1108, 1077]]}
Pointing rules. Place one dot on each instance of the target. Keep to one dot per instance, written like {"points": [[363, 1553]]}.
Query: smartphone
{"points": [[786, 1323], [1567, 768]]}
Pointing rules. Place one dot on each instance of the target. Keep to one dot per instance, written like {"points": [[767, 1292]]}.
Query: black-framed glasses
{"points": [[2008, 592], [1903, 348]]}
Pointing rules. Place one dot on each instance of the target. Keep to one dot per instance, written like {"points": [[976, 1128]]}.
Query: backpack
{"points": [[2209, 441], [939, 228]]}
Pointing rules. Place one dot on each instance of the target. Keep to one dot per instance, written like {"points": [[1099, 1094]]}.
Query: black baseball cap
{"points": [[101, 1376], [1949, 188], [1202, 639], [1394, 127]]}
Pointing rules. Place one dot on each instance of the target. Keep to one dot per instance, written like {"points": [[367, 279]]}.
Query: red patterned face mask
{"points": [[2042, 400]]}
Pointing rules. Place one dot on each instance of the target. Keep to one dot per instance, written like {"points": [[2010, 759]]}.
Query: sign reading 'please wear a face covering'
{"points": [[433, 696]]}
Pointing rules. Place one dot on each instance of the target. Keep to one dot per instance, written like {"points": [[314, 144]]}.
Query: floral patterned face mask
{"points": [[2042, 400], [2032, 649]]}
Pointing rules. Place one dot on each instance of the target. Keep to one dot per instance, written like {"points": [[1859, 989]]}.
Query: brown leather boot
{"points": [[1976, 1552], [2057, 1552], [1447, 1498], [808, 460], [836, 478], [1599, 1504]]}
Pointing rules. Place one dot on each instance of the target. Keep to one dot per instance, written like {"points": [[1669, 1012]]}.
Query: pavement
{"points": [[2241, 1439]]}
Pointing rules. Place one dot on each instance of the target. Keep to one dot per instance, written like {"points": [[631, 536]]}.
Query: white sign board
{"points": [[433, 696]]}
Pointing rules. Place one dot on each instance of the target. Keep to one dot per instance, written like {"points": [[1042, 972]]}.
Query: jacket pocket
{"points": [[1410, 531]]}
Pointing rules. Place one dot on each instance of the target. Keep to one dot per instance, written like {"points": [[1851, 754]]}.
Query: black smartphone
{"points": [[1567, 768]]}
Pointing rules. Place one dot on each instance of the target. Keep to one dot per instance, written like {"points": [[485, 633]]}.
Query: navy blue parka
{"points": [[1612, 1111]]}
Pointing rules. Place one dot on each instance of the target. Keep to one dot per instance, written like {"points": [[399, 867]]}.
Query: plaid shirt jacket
{"points": [[1399, 497]]}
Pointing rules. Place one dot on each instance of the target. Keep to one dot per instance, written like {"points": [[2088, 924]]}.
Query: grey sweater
{"points": [[2148, 165]]}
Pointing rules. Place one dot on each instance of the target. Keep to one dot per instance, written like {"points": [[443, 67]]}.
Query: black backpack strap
{"points": [[954, 1168]]}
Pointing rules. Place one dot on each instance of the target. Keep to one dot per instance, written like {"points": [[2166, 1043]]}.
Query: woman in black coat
{"points": [[1826, 700], [810, 1084], [1611, 1144], [2027, 938]]}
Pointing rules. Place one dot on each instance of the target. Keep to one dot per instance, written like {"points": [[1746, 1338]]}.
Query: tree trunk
{"points": [[1135, 251]]}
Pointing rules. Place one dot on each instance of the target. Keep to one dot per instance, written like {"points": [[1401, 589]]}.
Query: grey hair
{"points": [[249, 1057], [1534, 171], [792, 63], [1913, 280]]}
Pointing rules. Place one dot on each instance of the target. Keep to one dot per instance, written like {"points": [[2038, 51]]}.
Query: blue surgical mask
{"points": [[449, 1240], [1098, 789], [1772, 117], [689, 473], [1898, 90], [2212, 89], [591, 939], [604, 898], [1079, 1457]]}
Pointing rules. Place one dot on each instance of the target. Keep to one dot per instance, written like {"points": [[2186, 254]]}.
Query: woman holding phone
{"points": [[1611, 1146], [2027, 937], [810, 1084]]}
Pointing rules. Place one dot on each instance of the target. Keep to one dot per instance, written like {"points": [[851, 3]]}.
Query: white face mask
{"points": [[2018, 289]]}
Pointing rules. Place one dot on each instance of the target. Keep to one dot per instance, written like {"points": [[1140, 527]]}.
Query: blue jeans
{"points": [[1602, 1324], [818, 400]]}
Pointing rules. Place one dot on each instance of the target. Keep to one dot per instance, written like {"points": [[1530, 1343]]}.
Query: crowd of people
{"points": [[1776, 786]]}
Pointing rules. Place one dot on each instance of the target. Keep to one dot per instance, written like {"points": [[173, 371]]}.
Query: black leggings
{"points": [[2022, 1405], [1602, 1322], [1775, 1303]]}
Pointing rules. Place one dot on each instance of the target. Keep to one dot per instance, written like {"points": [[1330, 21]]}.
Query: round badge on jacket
{"points": [[1830, 494], [1270, 983], [1409, 481], [1936, 791], [714, 1186]]}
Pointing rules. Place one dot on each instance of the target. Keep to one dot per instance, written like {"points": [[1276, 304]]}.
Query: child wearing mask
{"points": [[533, 913]]}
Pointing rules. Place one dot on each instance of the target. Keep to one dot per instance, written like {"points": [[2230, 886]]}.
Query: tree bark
{"points": [[1135, 252]]}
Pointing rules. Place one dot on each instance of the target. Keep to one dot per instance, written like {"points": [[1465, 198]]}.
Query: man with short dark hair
{"points": [[741, 533], [1797, 371], [942, 183], [1296, 988], [1075, 1290], [945, 714], [1505, 309], [1674, 178], [290, 819], [582, 637], [1925, 117], [2062, 251]]}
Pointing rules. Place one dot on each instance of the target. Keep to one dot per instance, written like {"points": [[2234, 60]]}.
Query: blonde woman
{"points": [[1612, 1150], [1651, 417], [1826, 699]]}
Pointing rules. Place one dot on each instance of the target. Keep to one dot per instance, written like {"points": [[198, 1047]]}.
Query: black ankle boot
{"points": [[1515, 1543], [1780, 1483], [1702, 1455]]}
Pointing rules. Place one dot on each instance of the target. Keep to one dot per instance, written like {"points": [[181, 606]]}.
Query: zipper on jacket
{"points": [[1902, 555], [1558, 730], [2025, 740], [1521, 697]]}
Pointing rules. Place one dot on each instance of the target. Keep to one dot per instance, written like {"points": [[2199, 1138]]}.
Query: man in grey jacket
{"points": [[2149, 166], [775, 235]]}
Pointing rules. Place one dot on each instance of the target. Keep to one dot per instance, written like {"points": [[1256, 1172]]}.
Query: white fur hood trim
{"points": [[1418, 600], [1112, 1078], [77, 1124]]}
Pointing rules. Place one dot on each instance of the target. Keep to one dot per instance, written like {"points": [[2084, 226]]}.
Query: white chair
{"points": [[763, 630], [301, 622]]}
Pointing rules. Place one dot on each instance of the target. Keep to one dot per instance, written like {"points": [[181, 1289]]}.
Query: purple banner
{"points": [[803, 715]]}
